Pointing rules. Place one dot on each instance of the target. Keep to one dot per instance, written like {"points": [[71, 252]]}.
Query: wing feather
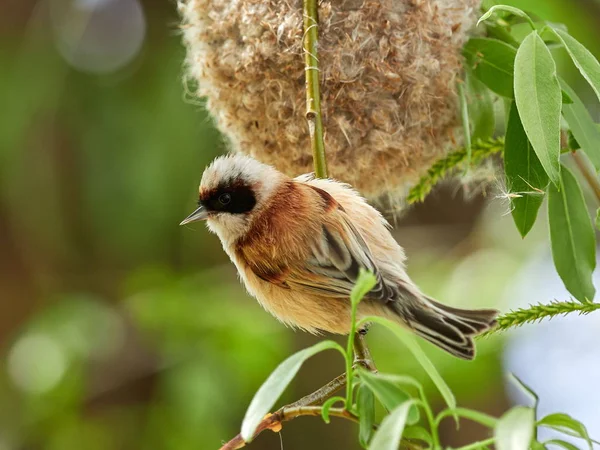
{"points": [[338, 253]]}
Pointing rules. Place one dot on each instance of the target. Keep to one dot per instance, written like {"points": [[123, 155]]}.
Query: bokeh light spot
{"points": [[98, 36], [36, 363]]}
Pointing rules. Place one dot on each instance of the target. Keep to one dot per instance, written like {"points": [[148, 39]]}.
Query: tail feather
{"points": [[451, 329]]}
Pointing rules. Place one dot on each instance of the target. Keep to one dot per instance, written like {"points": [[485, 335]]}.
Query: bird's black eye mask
{"points": [[234, 199]]}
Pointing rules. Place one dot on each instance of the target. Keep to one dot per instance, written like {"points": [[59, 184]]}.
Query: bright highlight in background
{"points": [[98, 36], [36, 363]]}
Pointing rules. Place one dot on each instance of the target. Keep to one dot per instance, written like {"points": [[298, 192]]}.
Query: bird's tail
{"points": [[451, 329]]}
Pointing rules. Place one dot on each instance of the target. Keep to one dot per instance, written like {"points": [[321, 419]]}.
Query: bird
{"points": [[300, 243]]}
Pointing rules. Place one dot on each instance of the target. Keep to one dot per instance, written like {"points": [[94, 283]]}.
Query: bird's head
{"points": [[232, 191]]}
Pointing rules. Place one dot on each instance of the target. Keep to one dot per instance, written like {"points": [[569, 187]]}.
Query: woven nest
{"points": [[388, 73]]}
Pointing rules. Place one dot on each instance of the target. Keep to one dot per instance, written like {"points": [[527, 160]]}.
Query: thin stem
{"points": [[591, 179], [430, 419], [362, 354], [313, 94], [323, 393], [274, 422]]}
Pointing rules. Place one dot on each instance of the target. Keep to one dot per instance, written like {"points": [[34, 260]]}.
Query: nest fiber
{"points": [[388, 75]]}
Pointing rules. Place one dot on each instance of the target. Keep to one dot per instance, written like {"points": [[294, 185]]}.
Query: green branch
{"points": [[538, 312], [313, 95], [480, 150]]}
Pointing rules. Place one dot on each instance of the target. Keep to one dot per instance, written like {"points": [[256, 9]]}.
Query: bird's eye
{"points": [[225, 199]]}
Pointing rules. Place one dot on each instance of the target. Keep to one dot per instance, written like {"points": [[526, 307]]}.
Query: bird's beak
{"points": [[199, 214]]}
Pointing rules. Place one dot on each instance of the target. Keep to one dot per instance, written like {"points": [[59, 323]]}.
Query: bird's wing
{"points": [[337, 253]]}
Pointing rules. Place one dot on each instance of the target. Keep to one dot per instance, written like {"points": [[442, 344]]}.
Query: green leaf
{"points": [[390, 431], [388, 393], [327, 406], [273, 387], [525, 388], [481, 108], [566, 424], [535, 445], [584, 129], [475, 416], [510, 9], [598, 219], [464, 114], [366, 281], [538, 99], [514, 430], [563, 444], [410, 343], [572, 237], [492, 61], [583, 59], [416, 432], [526, 179], [365, 404]]}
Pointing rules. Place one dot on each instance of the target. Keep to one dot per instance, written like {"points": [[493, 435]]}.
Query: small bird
{"points": [[299, 244]]}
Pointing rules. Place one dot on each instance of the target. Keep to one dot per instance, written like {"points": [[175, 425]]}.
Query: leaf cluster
{"points": [[515, 62], [409, 420]]}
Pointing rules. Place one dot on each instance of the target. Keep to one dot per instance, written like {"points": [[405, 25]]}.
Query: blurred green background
{"points": [[121, 330]]}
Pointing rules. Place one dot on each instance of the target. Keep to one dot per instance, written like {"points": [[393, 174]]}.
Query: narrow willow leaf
{"points": [[420, 356], [572, 237], [365, 404], [476, 416], [515, 429], [492, 61], [273, 387], [481, 108], [390, 431], [416, 432], [389, 393], [538, 99], [563, 444], [530, 392], [585, 131], [510, 9], [565, 423], [327, 406], [526, 179], [583, 59], [464, 115]]}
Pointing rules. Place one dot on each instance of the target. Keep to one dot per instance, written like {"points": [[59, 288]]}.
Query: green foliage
{"points": [[388, 392], [481, 109], [525, 175], [492, 62], [464, 113], [566, 424], [538, 99], [515, 61], [392, 426], [365, 408], [582, 127], [273, 387], [480, 150], [514, 430], [572, 237], [582, 58], [539, 312]]}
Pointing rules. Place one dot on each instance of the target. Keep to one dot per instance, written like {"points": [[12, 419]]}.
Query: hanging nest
{"points": [[388, 73]]}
